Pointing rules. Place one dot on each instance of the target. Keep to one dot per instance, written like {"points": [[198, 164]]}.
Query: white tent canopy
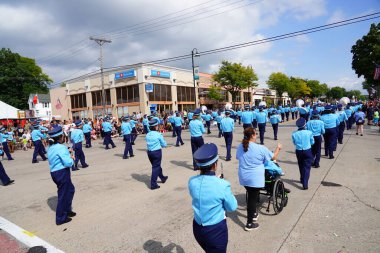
{"points": [[7, 111]]}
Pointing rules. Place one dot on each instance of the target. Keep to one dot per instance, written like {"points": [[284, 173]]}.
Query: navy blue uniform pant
{"points": [[66, 192], [330, 141], [246, 125], [38, 151], [342, 126], [293, 115], [287, 116], [208, 124], [155, 158], [108, 140], [128, 146], [173, 129], [146, 129], [254, 124], [79, 154], [213, 238], [3, 175], [6, 150], [350, 122], [196, 142], [305, 116], [275, 130], [239, 117], [316, 150], [262, 132], [88, 139], [228, 136], [220, 134], [178, 131], [296, 114], [134, 135], [283, 117], [305, 159]]}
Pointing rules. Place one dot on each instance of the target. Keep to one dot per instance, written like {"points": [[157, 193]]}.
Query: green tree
{"points": [[365, 54], [234, 77], [317, 89], [298, 88], [279, 82], [215, 92], [20, 76], [336, 92]]}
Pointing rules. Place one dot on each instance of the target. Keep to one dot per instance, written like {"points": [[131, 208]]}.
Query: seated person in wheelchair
{"points": [[273, 168]]}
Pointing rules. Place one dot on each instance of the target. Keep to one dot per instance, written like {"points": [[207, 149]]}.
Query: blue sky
{"points": [[59, 35]]}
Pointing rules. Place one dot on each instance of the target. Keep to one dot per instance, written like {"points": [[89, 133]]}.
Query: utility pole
{"points": [[194, 53], [100, 42]]}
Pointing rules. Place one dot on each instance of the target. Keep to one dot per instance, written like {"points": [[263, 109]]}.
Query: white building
{"points": [[41, 106]]}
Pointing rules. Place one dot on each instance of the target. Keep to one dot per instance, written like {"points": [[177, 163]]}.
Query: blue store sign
{"points": [[158, 73], [125, 74], [149, 87]]}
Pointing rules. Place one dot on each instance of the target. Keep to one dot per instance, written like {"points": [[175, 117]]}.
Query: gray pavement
{"points": [[117, 212]]}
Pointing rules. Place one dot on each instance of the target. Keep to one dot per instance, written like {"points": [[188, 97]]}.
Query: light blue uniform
{"points": [[247, 117], [348, 112], [206, 117], [219, 118], [196, 128], [10, 136], [178, 121], [261, 117], [145, 122], [59, 157], [275, 119], [342, 116], [77, 136], [227, 125], [36, 135], [211, 196], [251, 164], [155, 141], [303, 139], [316, 126], [359, 115], [126, 128], [107, 127], [190, 115], [133, 123], [87, 128], [330, 120]]}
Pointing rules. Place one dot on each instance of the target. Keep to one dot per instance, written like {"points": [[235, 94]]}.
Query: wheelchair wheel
{"points": [[278, 196]]}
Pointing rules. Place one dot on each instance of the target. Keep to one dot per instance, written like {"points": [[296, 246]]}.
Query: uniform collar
{"points": [[209, 173]]}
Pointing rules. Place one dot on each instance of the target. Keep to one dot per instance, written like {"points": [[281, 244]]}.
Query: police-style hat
{"points": [[227, 112], [348, 106], [261, 107], [328, 107], [247, 107], [301, 123], [340, 106], [315, 112], [206, 155], [78, 123], [36, 126], [153, 122], [56, 131], [177, 114], [197, 111], [125, 118]]}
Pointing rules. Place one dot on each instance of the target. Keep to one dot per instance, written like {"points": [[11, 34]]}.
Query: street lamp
{"points": [[194, 53]]}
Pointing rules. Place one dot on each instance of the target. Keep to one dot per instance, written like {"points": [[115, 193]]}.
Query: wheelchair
{"points": [[275, 190]]}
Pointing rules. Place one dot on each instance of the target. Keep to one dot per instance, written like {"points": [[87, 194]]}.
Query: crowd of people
{"points": [[61, 143]]}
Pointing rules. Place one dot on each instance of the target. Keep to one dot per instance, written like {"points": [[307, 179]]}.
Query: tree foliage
{"points": [[234, 77], [317, 89], [365, 54], [20, 76], [298, 88], [279, 82], [215, 92], [336, 92]]}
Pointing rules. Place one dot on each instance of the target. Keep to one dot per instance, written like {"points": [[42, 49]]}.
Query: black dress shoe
{"points": [[316, 166], [305, 188], [177, 145], [75, 169], [132, 155], [182, 143], [164, 180], [66, 221], [9, 183], [229, 159], [155, 187], [85, 166], [331, 157], [34, 161], [125, 157], [71, 214]]}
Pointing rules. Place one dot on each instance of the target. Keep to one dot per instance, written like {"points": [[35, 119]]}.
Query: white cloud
{"points": [[337, 16], [348, 82]]}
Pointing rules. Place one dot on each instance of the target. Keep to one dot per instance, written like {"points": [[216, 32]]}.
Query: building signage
{"points": [[125, 74], [158, 73], [149, 87]]}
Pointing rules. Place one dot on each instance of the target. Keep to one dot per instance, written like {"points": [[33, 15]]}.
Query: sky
{"points": [[56, 34]]}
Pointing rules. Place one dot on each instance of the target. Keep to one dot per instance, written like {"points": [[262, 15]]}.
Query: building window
{"points": [[238, 97], [78, 101], [97, 97], [128, 94], [247, 97], [185, 94], [224, 95], [161, 92]]}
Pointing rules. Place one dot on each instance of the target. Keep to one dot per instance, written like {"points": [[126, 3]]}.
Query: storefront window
{"points": [[128, 94], [247, 97], [185, 94], [122, 111], [161, 92], [78, 101], [97, 97]]}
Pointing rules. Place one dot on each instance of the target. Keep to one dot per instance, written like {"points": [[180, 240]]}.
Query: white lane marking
{"points": [[26, 237]]}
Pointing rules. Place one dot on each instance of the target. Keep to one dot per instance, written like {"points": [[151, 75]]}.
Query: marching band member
{"points": [[317, 127], [211, 198], [107, 129], [261, 122], [60, 163], [77, 137], [331, 122], [247, 117], [342, 116], [3, 175], [126, 130], [275, 119], [302, 140], [4, 142], [155, 142], [38, 146], [227, 125], [207, 118], [196, 131], [87, 133], [218, 119], [177, 124]]}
